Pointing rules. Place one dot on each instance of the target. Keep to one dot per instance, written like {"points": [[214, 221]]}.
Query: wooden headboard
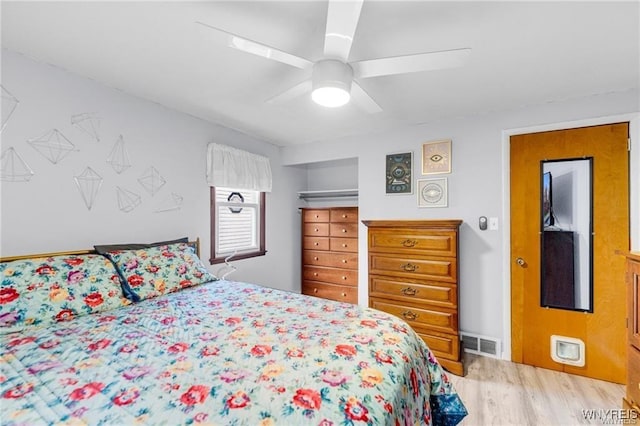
{"points": [[195, 244]]}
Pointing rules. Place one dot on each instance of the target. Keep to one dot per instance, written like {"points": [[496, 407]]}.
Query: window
{"points": [[237, 224]]}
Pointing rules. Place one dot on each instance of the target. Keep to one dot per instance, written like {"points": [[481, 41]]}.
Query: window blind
{"points": [[237, 221]]}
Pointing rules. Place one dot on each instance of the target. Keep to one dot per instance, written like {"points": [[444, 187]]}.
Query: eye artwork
{"points": [[432, 192], [436, 157], [398, 173]]}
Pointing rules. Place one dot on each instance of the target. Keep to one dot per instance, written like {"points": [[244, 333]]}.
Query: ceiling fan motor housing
{"points": [[332, 73]]}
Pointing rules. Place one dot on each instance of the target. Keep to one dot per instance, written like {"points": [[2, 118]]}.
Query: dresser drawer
{"points": [[343, 244], [440, 269], [315, 243], [330, 275], [633, 376], [343, 230], [434, 243], [336, 260], [413, 291], [316, 229], [315, 215], [443, 345], [344, 215], [340, 293], [440, 320]]}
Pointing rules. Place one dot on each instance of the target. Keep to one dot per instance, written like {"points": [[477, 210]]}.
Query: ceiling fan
{"points": [[334, 80]]}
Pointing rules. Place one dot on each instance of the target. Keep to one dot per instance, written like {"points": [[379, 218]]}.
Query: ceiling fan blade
{"points": [[292, 93], [236, 42], [411, 63], [363, 100], [342, 20]]}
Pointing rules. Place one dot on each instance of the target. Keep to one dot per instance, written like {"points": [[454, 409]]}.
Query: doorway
{"points": [[593, 315]]}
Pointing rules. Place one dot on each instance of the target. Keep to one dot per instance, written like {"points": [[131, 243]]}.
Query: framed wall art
{"points": [[432, 192], [399, 176], [436, 157]]}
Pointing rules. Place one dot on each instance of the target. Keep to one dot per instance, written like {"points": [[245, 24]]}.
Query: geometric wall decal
{"points": [[127, 200], [171, 203], [53, 145], [88, 122], [151, 180], [119, 157], [89, 183], [9, 104], [13, 168]]}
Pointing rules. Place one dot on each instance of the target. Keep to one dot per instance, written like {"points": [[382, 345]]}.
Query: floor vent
{"points": [[481, 345]]}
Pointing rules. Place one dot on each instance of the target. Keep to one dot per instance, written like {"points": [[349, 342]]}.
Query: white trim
{"points": [[634, 197]]}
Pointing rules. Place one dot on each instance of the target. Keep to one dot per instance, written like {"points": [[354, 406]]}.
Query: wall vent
{"points": [[481, 345]]}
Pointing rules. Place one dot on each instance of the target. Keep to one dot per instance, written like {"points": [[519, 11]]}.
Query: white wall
{"points": [[338, 174], [478, 186], [47, 213], [331, 175]]}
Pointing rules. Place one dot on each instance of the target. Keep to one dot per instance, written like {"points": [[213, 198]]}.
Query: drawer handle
{"points": [[344, 245], [317, 216], [344, 216], [315, 290], [316, 229], [409, 267], [315, 257], [344, 260], [344, 277], [315, 274], [316, 243], [344, 230], [409, 291], [344, 294], [409, 243], [410, 315]]}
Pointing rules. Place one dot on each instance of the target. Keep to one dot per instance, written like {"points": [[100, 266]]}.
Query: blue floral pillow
{"points": [[46, 290], [155, 271]]}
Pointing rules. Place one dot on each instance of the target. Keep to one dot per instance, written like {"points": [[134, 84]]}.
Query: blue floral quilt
{"points": [[225, 353]]}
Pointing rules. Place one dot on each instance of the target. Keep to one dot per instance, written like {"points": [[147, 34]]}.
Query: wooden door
{"points": [[603, 330]]}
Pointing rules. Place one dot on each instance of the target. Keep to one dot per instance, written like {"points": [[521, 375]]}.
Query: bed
{"points": [[178, 346]]}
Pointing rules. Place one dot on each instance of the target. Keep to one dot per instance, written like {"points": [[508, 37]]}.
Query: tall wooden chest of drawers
{"points": [[413, 274], [330, 253], [632, 398]]}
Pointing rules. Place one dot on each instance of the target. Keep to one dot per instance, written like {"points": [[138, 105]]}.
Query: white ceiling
{"points": [[524, 53]]}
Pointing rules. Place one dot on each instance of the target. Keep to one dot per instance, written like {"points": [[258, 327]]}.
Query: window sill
{"points": [[218, 260]]}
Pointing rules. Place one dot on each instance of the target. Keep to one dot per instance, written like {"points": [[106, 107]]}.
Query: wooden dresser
{"points": [[632, 397], [330, 253], [413, 274]]}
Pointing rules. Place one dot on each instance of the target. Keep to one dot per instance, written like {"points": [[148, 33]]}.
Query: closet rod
{"points": [[336, 193]]}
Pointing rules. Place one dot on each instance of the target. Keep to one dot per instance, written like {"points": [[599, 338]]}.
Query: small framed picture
{"points": [[436, 157], [399, 176], [432, 192]]}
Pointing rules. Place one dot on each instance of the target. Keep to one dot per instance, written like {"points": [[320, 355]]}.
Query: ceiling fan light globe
{"points": [[331, 82], [331, 97]]}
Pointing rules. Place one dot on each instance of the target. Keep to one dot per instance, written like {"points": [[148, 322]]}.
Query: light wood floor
{"points": [[498, 392]]}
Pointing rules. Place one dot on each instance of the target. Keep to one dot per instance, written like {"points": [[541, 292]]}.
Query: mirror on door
{"points": [[566, 231]]}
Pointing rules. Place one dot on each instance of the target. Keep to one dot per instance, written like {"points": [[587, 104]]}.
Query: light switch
{"points": [[493, 223]]}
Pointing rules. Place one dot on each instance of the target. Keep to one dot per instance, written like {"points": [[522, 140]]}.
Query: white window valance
{"points": [[230, 167]]}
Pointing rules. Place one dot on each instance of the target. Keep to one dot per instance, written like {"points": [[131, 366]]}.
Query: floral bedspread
{"points": [[225, 353]]}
